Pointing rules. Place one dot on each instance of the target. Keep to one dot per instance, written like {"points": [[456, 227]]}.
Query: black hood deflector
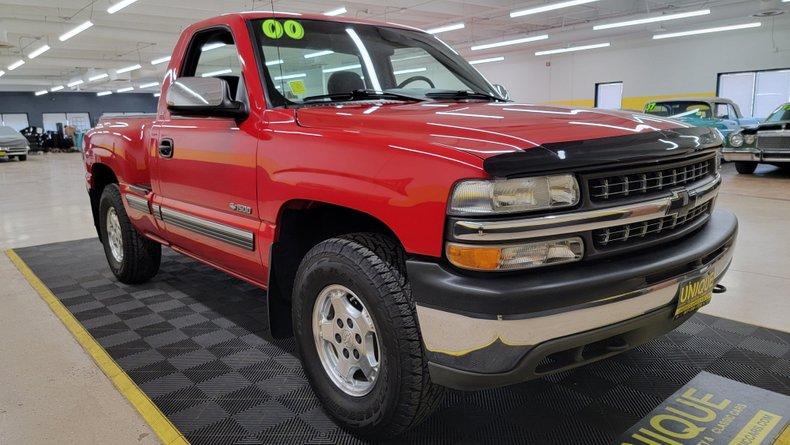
{"points": [[655, 146]]}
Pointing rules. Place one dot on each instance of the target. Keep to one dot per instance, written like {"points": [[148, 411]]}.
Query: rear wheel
{"points": [[358, 338], [745, 167], [132, 257]]}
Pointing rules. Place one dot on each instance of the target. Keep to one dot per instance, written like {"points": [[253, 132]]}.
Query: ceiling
{"points": [[148, 29]]}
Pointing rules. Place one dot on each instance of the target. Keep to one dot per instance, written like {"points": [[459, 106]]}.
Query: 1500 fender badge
{"points": [[241, 208]]}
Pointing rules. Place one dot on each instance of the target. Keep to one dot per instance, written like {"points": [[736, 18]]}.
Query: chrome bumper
{"points": [[17, 151], [455, 334], [755, 155]]}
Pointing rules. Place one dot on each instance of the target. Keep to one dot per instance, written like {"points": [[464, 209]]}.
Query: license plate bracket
{"points": [[694, 292]]}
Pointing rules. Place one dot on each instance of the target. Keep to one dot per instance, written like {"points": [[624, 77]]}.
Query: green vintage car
{"points": [[768, 143], [714, 112]]}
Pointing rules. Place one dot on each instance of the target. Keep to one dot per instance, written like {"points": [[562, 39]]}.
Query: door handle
{"points": [[166, 148]]}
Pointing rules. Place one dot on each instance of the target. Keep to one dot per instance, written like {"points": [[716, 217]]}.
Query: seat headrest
{"points": [[344, 82]]}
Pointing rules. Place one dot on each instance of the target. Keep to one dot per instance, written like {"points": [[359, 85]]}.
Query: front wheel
{"points": [[132, 258], [745, 167], [22, 157], [358, 338]]}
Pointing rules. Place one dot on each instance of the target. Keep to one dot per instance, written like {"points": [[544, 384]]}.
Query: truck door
{"points": [[207, 168]]}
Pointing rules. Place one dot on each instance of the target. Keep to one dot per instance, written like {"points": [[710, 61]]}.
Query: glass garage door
{"points": [[17, 121], [757, 93]]}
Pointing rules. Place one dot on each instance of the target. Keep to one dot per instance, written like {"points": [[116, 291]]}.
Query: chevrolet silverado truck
{"points": [[413, 228]]}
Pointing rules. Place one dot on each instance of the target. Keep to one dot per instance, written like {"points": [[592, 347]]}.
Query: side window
{"points": [[213, 53], [722, 111]]}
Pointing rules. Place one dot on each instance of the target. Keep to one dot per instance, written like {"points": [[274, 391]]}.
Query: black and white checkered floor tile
{"points": [[192, 341]]}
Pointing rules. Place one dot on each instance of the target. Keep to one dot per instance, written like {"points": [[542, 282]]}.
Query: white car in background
{"points": [[13, 144]]}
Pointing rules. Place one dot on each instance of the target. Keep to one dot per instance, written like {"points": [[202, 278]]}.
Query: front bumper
{"points": [[13, 151], [754, 155], [487, 331]]}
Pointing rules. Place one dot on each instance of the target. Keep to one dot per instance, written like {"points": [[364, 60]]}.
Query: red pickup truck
{"points": [[414, 229]]}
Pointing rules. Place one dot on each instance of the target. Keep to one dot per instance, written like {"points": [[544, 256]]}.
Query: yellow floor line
{"points": [[161, 425]]}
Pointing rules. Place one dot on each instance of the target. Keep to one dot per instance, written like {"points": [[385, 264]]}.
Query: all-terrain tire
{"points": [[141, 257], [373, 267]]}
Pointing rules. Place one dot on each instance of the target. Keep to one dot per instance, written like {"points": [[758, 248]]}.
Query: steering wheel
{"points": [[415, 79]]}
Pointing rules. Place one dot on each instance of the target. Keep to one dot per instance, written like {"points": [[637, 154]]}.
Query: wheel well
{"points": [[302, 225], [101, 175]]}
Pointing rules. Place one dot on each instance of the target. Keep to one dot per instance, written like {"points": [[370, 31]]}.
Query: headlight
{"points": [[515, 256], [749, 139], [736, 140], [480, 197]]}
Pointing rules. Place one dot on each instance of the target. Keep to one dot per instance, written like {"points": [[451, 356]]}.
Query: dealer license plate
{"points": [[694, 293]]}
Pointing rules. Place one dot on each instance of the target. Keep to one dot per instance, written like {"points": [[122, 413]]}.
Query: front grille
{"points": [[647, 230], [773, 142], [659, 178]]}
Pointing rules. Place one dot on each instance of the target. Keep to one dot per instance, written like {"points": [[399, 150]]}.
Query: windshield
{"points": [[679, 109], [309, 58], [780, 114]]}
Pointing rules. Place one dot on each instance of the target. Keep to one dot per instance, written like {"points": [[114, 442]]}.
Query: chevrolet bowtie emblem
{"points": [[679, 202]]}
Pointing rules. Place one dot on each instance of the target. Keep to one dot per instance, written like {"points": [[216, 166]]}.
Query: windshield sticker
{"points": [[786, 107], [297, 87], [273, 29], [650, 107]]}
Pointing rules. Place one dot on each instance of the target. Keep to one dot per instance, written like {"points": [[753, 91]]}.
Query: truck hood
{"points": [[495, 131]]}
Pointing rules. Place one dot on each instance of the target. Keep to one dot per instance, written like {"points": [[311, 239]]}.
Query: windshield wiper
{"points": [[462, 94], [359, 95]]}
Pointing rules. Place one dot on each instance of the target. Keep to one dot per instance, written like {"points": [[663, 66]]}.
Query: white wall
{"points": [[648, 68]]}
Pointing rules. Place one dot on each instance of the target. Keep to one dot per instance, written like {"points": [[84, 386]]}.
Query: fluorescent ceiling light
{"points": [[149, 85], [318, 54], [126, 69], [408, 71], [217, 73], [211, 46], [160, 60], [57, 88], [445, 28], [41, 93], [124, 90], [16, 65], [75, 31], [291, 76], [338, 11], [120, 5], [707, 30], [660, 18], [98, 77], [75, 83], [37, 52], [572, 49], [550, 7], [157, 94], [492, 59], [274, 62], [104, 93], [510, 42], [342, 68]]}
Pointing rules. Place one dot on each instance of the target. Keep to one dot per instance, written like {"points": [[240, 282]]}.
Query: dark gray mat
{"points": [[192, 340]]}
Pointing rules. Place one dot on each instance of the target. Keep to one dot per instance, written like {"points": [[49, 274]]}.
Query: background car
{"points": [[13, 144], [715, 112], [768, 142]]}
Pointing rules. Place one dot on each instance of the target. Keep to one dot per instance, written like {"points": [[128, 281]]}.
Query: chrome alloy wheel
{"points": [[346, 339], [114, 235]]}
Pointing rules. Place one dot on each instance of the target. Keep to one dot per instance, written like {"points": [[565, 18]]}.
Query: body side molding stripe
{"points": [[221, 232]]}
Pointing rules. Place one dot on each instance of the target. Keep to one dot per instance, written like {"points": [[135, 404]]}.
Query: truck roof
{"points": [[255, 15]]}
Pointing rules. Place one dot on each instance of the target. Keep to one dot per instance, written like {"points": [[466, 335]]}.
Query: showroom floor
{"points": [[55, 390]]}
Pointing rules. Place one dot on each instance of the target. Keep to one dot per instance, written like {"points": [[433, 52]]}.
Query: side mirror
{"points": [[203, 96], [502, 91]]}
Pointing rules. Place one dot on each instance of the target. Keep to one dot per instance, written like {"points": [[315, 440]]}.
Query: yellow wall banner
{"points": [[713, 410]]}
